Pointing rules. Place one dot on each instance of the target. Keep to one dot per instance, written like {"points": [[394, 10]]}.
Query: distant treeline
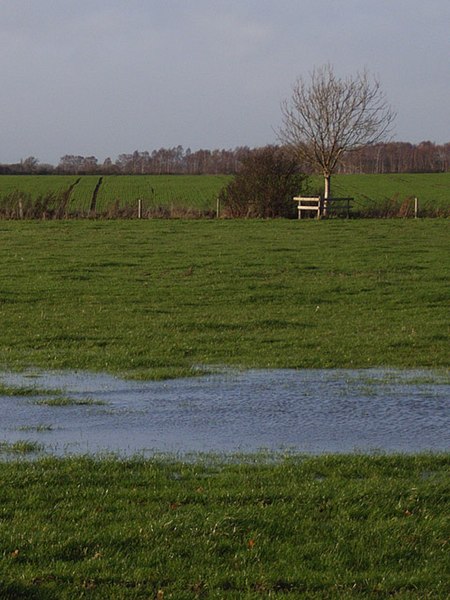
{"points": [[392, 157]]}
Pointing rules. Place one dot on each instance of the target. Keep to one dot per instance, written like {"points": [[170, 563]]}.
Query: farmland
{"points": [[195, 192], [376, 191], [157, 297], [175, 195]]}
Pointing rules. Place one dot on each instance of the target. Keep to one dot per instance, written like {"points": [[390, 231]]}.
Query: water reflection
{"points": [[306, 411]]}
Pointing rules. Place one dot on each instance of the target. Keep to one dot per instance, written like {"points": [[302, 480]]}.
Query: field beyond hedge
{"points": [[158, 298], [116, 193], [175, 195], [376, 192]]}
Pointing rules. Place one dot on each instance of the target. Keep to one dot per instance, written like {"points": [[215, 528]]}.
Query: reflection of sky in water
{"points": [[306, 411]]}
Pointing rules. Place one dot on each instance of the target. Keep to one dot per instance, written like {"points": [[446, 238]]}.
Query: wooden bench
{"points": [[309, 203], [322, 206], [337, 205]]}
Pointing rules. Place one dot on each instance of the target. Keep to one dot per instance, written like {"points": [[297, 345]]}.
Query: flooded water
{"points": [[312, 411]]}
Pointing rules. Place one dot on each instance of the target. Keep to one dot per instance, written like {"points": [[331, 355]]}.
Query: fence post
{"points": [[218, 208], [139, 208], [416, 207]]}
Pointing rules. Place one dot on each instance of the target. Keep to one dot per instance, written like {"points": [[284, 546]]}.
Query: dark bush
{"points": [[264, 187], [22, 205]]}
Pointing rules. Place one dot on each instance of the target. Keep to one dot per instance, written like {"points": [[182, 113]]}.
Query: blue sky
{"points": [[102, 77]]}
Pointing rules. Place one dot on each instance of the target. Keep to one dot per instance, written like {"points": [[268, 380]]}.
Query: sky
{"points": [[105, 77]]}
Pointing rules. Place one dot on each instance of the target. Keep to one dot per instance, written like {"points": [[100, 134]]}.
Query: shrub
{"points": [[264, 187]]}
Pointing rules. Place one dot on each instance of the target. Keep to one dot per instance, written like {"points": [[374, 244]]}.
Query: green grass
{"points": [[67, 401], [159, 298], [36, 185], [185, 191], [199, 192], [323, 527], [195, 192], [12, 390], [20, 447], [81, 196], [37, 428], [431, 189]]}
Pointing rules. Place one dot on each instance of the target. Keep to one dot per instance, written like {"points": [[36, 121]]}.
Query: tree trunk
{"points": [[327, 192]]}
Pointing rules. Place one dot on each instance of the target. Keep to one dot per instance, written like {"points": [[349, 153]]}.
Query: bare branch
{"points": [[331, 116]]}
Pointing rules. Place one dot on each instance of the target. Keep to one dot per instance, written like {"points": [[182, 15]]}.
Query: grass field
{"points": [[379, 194], [187, 191], [157, 298], [194, 192], [35, 184], [377, 191], [319, 527]]}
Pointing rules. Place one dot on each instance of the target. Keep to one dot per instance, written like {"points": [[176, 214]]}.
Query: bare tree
{"points": [[329, 116], [30, 164]]}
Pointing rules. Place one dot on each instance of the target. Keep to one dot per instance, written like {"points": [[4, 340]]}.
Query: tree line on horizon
{"points": [[386, 157]]}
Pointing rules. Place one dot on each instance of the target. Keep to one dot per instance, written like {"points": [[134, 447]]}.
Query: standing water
{"points": [[313, 411]]}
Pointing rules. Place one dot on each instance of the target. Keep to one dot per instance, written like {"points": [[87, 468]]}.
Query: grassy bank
{"points": [[156, 298], [324, 527]]}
